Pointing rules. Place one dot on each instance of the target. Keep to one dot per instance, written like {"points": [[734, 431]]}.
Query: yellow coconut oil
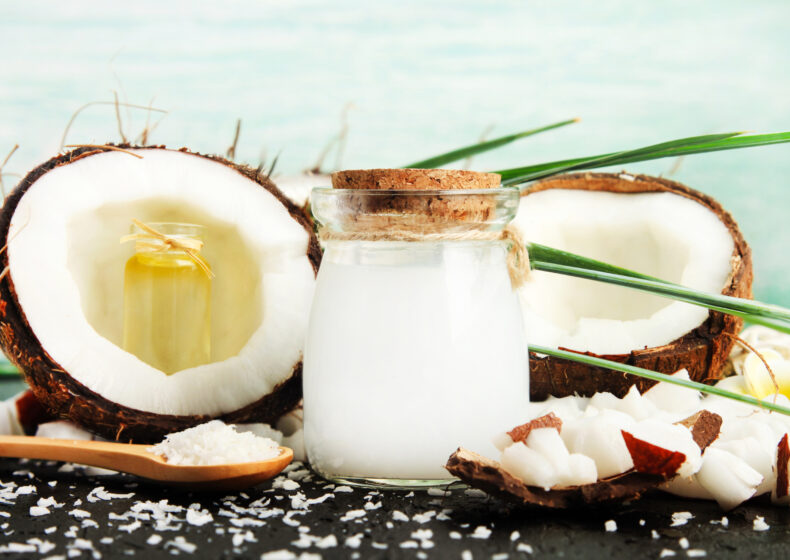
{"points": [[167, 297]]}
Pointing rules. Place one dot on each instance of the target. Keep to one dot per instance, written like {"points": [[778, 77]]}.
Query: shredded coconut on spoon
{"points": [[215, 443]]}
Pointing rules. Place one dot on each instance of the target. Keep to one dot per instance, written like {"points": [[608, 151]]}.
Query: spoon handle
{"points": [[117, 456]]}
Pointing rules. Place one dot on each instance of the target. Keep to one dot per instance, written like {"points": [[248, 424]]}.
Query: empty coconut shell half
{"points": [[653, 226], [61, 301]]}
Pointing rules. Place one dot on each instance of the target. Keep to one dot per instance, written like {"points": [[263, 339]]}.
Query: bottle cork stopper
{"points": [[418, 211], [414, 179]]}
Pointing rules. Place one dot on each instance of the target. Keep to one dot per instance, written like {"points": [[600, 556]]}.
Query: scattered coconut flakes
{"points": [[131, 527], [467, 555], [247, 522], [18, 547], [344, 489], [423, 517], [106, 540], [379, 546], [214, 443], [684, 543], [641, 522], [42, 546], [49, 502], [681, 518], [154, 540], [455, 535], [409, 544], [398, 515], [354, 541], [285, 484], [353, 514], [199, 517], [441, 492], [524, 547], [52, 483], [288, 518], [610, 526], [89, 523], [759, 524], [696, 553], [481, 532], [50, 530], [99, 494], [666, 552], [25, 490], [514, 536], [37, 511], [327, 542], [278, 555], [180, 543], [79, 513], [240, 538], [654, 534]]}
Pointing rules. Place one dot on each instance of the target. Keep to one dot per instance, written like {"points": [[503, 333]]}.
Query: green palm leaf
{"points": [[465, 152]]}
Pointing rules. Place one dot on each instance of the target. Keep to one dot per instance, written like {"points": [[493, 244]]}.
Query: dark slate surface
{"points": [[429, 526]]}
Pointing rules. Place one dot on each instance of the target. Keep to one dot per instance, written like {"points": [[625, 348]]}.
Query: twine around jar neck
{"points": [[154, 240], [517, 254]]}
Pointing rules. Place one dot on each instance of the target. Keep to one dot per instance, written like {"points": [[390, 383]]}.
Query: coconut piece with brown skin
{"points": [[652, 225], [62, 297], [653, 465]]}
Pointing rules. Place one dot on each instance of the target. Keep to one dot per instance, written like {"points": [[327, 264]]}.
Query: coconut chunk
{"points": [[547, 442], [672, 437], [674, 398], [757, 456], [529, 466], [599, 437], [729, 479]]}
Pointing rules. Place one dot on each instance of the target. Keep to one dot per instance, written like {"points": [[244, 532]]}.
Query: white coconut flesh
{"points": [[660, 234], [67, 266]]}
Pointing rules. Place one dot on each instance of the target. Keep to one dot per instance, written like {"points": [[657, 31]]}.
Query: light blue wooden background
{"points": [[422, 77]]}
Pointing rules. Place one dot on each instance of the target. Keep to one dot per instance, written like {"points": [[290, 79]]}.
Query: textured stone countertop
{"points": [[52, 510]]}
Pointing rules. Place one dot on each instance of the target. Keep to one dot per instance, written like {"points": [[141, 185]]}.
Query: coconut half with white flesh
{"points": [[647, 224], [61, 302]]}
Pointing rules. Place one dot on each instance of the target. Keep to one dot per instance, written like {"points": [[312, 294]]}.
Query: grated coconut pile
{"points": [[215, 443]]}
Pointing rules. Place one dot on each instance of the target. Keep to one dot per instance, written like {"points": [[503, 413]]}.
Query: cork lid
{"points": [[414, 179]]}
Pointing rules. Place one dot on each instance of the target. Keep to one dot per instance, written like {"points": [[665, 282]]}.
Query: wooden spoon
{"points": [[135, 459]]}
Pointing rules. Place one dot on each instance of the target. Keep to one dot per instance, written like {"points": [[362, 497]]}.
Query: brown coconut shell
{"points": [[488, 475], [703, 351], [66, 397]]}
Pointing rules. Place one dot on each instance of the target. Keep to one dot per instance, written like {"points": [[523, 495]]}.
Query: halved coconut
{"points": [[651, 225], [61, 303]]}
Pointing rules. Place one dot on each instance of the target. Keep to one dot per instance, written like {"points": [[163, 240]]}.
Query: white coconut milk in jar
{"points": [[416, 344]]}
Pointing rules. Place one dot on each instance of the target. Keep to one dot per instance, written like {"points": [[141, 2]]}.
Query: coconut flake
{"points": [[759, 524], [681, 518], [610, 526]]}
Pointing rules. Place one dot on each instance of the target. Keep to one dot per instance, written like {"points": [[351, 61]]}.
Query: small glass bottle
{"points": [[415, 344], [167, 301]]}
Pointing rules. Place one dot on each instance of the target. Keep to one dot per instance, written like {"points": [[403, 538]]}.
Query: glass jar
{"points": [[415, 344], [167, 299]]}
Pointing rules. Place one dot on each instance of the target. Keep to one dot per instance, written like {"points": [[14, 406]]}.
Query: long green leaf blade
{"points": [[724, 304], [655, 376], [563, 262], [632, 155], [532, 172], [467, 151]]}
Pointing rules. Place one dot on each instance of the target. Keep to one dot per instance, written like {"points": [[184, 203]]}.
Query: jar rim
{"points": [[419, 211]]}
